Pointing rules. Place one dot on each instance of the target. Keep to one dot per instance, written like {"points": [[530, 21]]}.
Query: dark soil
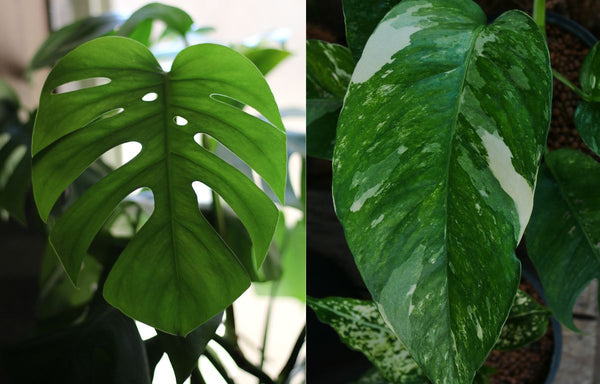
{"points": [[567, 53], [527, 365]]}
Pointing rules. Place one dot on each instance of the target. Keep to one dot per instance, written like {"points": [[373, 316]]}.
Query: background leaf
{"points": [[187, 274], [328, 70], [361, 19], [436, 156], [61, 41], [587, 115], [184, 352], [176, 20], [526, 323], [563, 237], [360, 326]]}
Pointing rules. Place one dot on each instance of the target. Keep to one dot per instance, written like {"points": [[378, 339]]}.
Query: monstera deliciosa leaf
{"points": [[176, 272], [437, 151]]}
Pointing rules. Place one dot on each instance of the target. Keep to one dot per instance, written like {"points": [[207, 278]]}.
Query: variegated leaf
{"points": [[360, 326], [587, 115], [437, 151], [527, 322], [328, 70], [563, 237]]}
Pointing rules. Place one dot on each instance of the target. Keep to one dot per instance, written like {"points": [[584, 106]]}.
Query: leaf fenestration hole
{"points": [[203, 192], [224, 99], [78, 85], [106, 115], [150, 96], [180, 121]]}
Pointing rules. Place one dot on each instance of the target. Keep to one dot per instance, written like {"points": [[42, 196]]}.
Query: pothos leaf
{"points": [[587, 115], [361, 19], [361, 327], [563, 237], [437, 151], [187, 273], [527, 322], [328, 69]]}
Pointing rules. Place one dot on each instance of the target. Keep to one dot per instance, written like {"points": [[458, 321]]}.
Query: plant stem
{"points": [[263, 350], [560, 77], [230, 332], [197, 377], [214, 360], [289, 365], [539, 15], [241, 361]]}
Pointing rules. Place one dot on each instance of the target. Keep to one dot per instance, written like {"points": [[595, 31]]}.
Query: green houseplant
{"points": [[194, 261], [436, 135]]}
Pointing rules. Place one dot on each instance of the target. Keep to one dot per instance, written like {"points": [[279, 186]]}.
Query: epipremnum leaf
{"points": [[360, 326], [437, 151], [176, 272], [563, 237], [587, 115]]}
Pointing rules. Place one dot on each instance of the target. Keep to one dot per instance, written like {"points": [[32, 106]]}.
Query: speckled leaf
{"points": [[328, 70], [437, 151], [362, 16], [187, 273], [527, 322], [563, 237], [360, 326], [587, 115]]}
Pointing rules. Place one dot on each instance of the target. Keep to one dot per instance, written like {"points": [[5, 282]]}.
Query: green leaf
{"points": [[373, 376], [187, 273], [175, 19], [105, 348], [437, 151], [60, 42], [526, 323], [563, 237], [361, 19], [587, 115], [265, 59], [15, 161], [184, 352], [361, 327], [328, 69]]}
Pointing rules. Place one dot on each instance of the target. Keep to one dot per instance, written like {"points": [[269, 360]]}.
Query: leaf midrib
{"points": [[167, 149], [468, 57]]}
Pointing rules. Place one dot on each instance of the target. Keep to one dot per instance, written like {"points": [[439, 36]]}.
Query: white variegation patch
{"points": [[361, 326], [513, 183], [390, 37]]}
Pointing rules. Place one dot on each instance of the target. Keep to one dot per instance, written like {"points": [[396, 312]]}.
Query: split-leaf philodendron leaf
{"points": [[176, 272], [563, 237], [587, 115], [437, 151]]}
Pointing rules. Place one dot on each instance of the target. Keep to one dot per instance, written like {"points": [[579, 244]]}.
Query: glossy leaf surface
{"points": [[587, 115], [187, 273], [437, 151], [527, 322], [361, 327], [361, 17], [563, 237], [175, 19], [328, 70]]}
